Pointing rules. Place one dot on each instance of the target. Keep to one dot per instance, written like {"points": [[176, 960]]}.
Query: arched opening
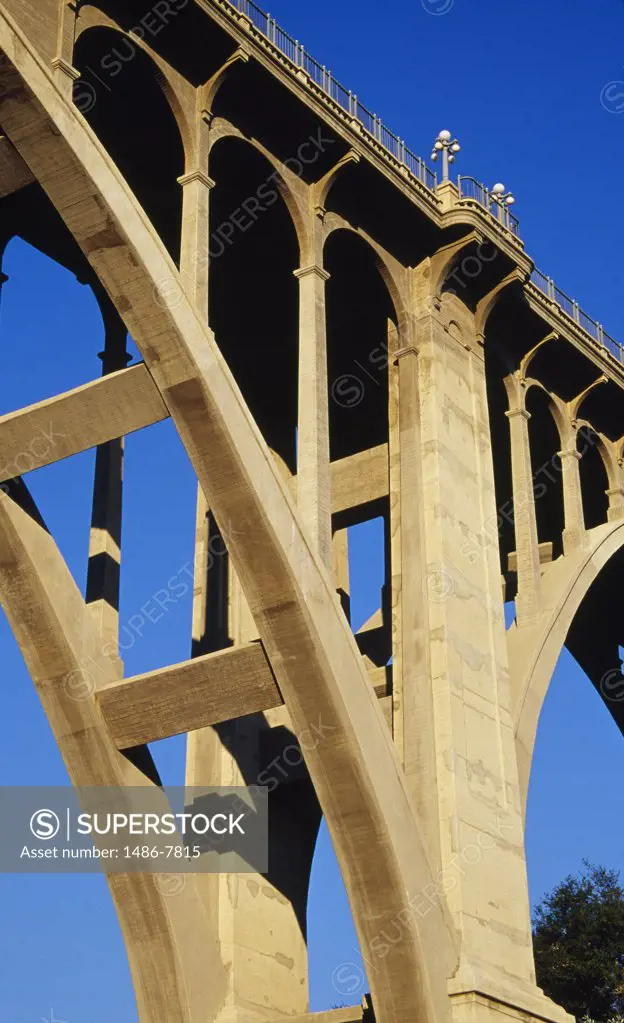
{"points": [[132, 118], [502, 531], [254, 298], [362, 332], [577, 754], [578, 614], [575, 782], [545, 444], [359, 311], [594, 477]]}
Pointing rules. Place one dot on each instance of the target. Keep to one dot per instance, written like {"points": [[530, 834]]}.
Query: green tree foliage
{"points": [[578, 936]]}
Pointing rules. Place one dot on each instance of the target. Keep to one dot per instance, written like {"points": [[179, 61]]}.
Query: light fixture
{"points": [[448, 146], [501, 199]]}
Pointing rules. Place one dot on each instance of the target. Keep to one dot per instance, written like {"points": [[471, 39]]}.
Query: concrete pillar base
{"points": [[480, 998], [474, 1007]]}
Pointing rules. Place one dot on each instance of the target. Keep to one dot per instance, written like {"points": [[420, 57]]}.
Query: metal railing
{"points": [[297, 55], [572, 309], [470, 190], [473, 191]]}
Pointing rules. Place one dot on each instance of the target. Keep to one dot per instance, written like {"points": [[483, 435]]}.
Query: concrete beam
{"points": [[195, 694], [102, 410], [350, 1014], [360, 479], [183, 697], [14, 174]]}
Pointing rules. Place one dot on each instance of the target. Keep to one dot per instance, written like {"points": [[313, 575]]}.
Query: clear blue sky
{"points": [[520, 83]]}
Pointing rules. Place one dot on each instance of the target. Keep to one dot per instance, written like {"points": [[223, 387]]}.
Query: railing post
{"points": [[551, 289], [575, 312]]}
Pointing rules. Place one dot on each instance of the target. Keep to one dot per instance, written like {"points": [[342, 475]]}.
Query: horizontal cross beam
{"points": [[14, 174], [204, 691], [360, 479], [352, 1014], [113, 406]]}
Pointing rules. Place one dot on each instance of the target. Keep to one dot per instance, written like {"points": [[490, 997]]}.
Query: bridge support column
{"points": [[525, 520], [194, 258], [574, 531], [313, 473], [64, 71], [412, 695], [481, 868], [616, 504], [105, 540], [260, 920]]}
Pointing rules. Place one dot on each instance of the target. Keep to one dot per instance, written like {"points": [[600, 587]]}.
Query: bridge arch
{"points": [[151, 161], [546, 441], [391, 272], [279, 177], [251, 211], [363, 310], [179, 94], [535, 649]]}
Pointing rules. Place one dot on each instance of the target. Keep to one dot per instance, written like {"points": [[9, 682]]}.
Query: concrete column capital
{"points": [[196, 175], [401, 352], [570, 453], [305, 271], [514, 413], [60, 64]]}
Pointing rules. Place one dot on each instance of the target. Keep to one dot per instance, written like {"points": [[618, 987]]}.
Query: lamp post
{"points": [[501, 200], [448, 147]]}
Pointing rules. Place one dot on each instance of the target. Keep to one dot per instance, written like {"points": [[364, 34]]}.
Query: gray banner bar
{"points": [[134, 830]]}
